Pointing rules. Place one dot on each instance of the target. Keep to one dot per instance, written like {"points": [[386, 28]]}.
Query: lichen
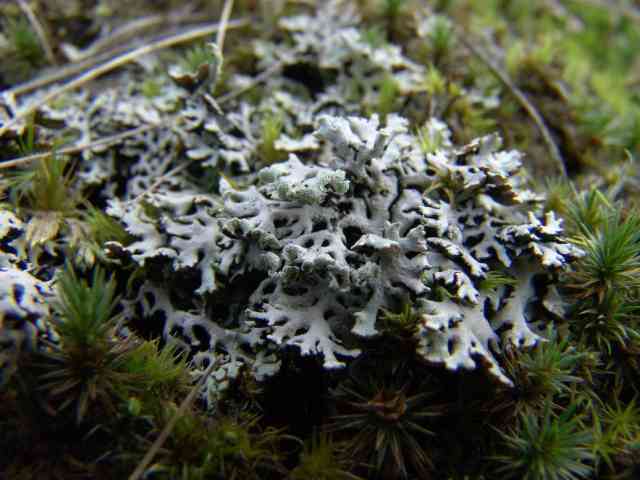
{"points": [[336, 245], [246, 258]]}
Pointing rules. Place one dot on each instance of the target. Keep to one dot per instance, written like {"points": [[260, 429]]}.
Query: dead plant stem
{"points": [[531, 110], [39, 29], [119, 61]]}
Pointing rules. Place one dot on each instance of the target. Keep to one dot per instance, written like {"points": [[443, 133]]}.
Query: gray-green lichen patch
{"points": [[335, 245], [245, 258], [24, 316]]}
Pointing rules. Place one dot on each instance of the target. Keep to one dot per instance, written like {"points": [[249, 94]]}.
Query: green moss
{"points": [[612, 260], [151, 88], [403, 324], [271, 129], [221, 448], [374, 36], [44, 185], [549, 447], [387, 422], [104, 228], [587, 211], [434, 82], [496, 279], [577, 65], [320, 460], [158, 371], [23, 50], [543, 374], [388, 95], [196, 56], [440, 39], [85, 371]]}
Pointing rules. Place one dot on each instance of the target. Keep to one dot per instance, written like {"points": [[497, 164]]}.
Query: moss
{"points": [[22, 50], [321, 460], [226, 448], [44, 185], [151, 88], [104, 228], [387, 96], [272, 125], [547, 447]]}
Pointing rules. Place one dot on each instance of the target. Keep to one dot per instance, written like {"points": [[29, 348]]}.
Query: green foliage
{"points": [[391, 8], [158, 370], [612, 260], [547, 447], [435, 83], [45, 185], [441, 38], [587, 211], [104, 228], [609, 322], [388, 95], [321, 460], [496, 279], [386, 423], [151, 88], [24, 40], [606, 280], [225, 448], [577, 65], [543, 374], [558, 193], [616, 428], [403, 324], [374, 36], [430, 140], [622, 422], [22, 53], [87, 367], [272, 126], [196, 56], [86, 309], [27, 141]]}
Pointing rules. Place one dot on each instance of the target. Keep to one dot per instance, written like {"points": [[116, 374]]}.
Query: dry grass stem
{"points": [[135, 29], [102, 142], [39, 30], [97, 52], [224, 21], [531, 110], [166, 431], [189, 35], [61, 73]]}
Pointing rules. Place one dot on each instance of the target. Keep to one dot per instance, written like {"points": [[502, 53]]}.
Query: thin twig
{"points": [[39, 29], [102, 142], [553, 149], [61, 73], [84, 63], [119, 61], [166, 431], [134, 29], [224, 21], [272, 70], [102, 43]]}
